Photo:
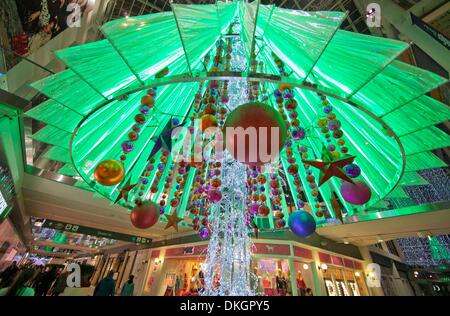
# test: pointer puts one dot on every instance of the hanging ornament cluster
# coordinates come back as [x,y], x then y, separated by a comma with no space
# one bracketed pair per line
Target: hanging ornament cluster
[147,103]
[355,192]
[287,105]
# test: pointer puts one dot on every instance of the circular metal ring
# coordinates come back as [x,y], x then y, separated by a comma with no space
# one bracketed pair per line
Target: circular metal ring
[229,75]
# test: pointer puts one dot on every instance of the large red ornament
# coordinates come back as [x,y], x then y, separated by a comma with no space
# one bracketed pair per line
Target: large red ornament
[145,215]
[248,133]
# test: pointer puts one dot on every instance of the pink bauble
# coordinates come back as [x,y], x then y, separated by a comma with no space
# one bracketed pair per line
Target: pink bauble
[357,194]
[214,196]
[145,215]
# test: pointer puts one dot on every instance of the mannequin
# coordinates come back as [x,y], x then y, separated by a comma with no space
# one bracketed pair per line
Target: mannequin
[301,285]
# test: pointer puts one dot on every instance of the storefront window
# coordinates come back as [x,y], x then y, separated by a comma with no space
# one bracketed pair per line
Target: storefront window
[303,279]
[182,277]
[344,282]
[274,277]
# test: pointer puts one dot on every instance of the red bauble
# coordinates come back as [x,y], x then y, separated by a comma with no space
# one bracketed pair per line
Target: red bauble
[248,133]
[264,210]
[145,215]
[358,193]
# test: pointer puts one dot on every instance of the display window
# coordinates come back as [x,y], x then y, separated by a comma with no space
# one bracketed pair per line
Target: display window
[344,282]
[182,277]
[303,279]
[330,287]
[273,276]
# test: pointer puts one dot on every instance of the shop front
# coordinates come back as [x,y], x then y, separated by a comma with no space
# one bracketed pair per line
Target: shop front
[281,268]
[342,276]
[176,271]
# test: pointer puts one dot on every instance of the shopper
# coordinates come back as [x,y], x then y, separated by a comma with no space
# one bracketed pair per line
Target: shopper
[128,287]
[106,287]
[20,286]
[46,281]
[309,292]
[60,283]
[8,275]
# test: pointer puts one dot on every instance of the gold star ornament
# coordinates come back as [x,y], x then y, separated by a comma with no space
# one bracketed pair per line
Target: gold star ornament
[173,221]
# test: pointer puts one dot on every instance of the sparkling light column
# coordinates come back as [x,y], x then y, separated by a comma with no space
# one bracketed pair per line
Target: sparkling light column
[227,265]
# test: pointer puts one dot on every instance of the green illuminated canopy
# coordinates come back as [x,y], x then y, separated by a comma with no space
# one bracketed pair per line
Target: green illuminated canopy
[365,83]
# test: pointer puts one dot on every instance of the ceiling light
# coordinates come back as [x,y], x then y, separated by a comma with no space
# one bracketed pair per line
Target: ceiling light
[305,266]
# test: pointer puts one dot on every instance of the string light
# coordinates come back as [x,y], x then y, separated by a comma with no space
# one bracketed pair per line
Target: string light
[227,266]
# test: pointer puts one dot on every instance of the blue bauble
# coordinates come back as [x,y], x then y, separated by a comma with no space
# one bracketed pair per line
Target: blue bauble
[302,223]
[352,170]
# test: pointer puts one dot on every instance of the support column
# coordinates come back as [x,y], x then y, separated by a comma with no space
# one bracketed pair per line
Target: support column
[401,19]
[292,277]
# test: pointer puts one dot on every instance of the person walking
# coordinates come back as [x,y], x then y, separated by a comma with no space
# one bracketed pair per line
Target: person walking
[60,283]
[106,287]
[128,287]
[8,275]
[20,286]
[46,281]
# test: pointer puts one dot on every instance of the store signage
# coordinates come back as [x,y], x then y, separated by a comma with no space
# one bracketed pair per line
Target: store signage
[438,36]
[188,250]
[73,228]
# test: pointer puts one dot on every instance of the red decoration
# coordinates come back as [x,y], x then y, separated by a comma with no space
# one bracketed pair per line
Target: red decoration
[124,191]
[331,167]
[258,117]
[145,215]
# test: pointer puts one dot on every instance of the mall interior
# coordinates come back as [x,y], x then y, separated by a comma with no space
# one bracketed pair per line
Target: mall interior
[112,117]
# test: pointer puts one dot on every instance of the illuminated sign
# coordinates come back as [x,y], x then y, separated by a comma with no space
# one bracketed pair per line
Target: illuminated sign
[73,228]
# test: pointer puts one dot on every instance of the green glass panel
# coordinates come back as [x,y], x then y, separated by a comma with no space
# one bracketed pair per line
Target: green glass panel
[100,137]
[100,65]
[55,114]
[412,178]
[397,85]
[147,43]
[53,136]
[248,15]
[299,37]
[200,27]
[425,140]
[264,17]
[418,114]
[376,153]
[57,153]
[70,90]
[226,11]
[360,57]
[68,170]
[424,160]
[398,193]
